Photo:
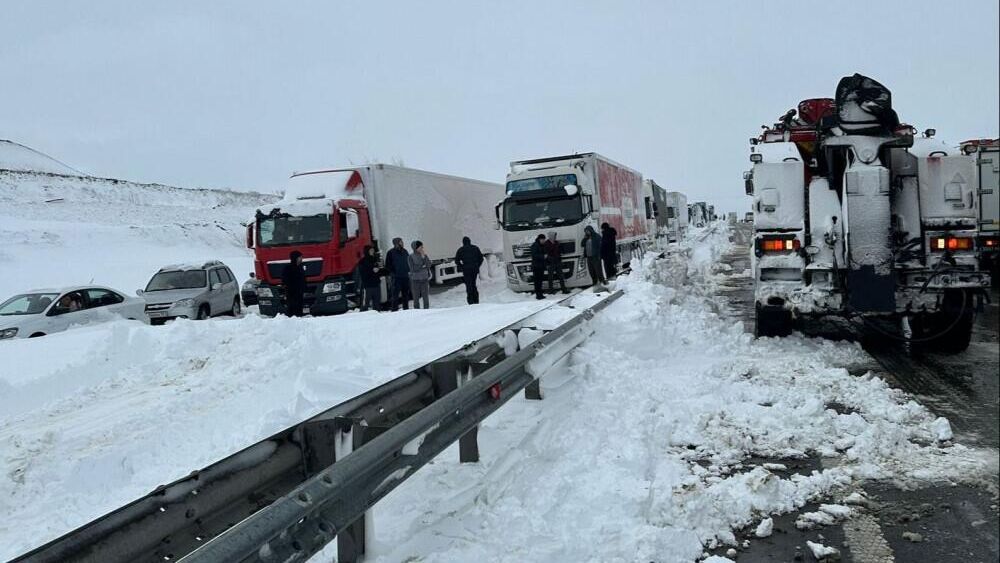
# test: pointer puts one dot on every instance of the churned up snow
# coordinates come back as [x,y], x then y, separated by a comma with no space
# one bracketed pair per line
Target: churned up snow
[643,443]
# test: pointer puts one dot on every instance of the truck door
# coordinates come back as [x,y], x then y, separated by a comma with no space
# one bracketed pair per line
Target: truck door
[350,237]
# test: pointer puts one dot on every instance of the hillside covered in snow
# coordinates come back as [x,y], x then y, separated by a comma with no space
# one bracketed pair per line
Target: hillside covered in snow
[59,227]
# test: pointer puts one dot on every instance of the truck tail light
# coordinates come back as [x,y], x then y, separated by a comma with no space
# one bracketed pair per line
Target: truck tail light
[779,244]
[991,243]
[940,244]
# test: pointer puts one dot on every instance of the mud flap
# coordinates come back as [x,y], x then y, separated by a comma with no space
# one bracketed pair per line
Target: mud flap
[871,292]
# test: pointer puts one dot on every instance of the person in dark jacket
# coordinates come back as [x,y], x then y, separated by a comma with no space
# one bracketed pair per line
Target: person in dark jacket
[609,250]
[469,259]
[398,264]
[538,260]
[370,274]
[553,263]
[591,245]
[294,279]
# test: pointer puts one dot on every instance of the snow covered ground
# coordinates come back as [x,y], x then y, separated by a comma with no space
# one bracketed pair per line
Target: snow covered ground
[641,449]
[93,418]
[67,230]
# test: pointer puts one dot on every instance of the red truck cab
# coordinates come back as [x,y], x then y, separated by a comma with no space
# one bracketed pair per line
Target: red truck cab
[329,231]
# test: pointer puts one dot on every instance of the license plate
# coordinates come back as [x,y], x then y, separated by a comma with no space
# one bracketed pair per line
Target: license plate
[153,314]
[305,310]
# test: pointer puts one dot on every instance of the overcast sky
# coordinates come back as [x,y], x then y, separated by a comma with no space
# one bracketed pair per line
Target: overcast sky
[241,94]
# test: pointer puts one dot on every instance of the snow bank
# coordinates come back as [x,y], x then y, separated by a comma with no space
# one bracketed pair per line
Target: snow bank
[62,230]
[93,418]
[643,442]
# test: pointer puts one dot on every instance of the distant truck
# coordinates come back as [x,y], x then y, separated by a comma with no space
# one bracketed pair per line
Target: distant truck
[987,153]
[698,213]
[564,195]
[677,216]
[748,217]
[331,215]
[731,218]
[655,198]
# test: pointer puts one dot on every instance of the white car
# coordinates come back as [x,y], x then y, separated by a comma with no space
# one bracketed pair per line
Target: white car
[45,311]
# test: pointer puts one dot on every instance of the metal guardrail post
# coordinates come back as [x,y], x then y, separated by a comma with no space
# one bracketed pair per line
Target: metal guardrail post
[351,542]
[468,444]
[533,392]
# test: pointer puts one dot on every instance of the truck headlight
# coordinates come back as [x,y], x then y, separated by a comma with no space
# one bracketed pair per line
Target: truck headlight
[8,333]
[264,292]
[332,287]
[581,264]
[184,303]
[511,273]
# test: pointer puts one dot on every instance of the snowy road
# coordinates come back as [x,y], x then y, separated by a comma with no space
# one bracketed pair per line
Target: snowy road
[670,432]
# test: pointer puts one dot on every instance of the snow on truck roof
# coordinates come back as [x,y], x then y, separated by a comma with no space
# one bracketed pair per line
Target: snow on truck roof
[312,193]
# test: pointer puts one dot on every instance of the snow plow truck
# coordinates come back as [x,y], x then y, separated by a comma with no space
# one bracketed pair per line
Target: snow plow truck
[330,216]
[856,215]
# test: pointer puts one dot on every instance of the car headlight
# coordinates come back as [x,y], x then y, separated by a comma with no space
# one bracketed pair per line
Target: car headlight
[264,292]
[332,287]
[184,303]
[8,333]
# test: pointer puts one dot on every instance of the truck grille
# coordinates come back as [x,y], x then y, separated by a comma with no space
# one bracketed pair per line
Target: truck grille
[524,250]
[312,268]
[524,272]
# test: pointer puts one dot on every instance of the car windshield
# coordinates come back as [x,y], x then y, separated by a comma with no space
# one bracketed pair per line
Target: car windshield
[531,214]
[183,279]
[283,230]
[543,183]
[27,304]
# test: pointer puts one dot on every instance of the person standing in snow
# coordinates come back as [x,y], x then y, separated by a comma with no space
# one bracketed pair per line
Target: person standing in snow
[420,275]
[591,245]
[538,260]
[294,279]
[609,250]
[469,259]
[369,273]
[398,264]
[553,263]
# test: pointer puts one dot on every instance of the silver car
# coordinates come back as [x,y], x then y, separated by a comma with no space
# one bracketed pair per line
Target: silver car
[192,291]
[44,311]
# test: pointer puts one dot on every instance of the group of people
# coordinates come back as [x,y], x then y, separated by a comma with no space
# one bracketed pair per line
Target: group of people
[598,249]
[408,276]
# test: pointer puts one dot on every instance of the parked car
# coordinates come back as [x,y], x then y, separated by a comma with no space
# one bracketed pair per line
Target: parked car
[249,290]
[44,311]
[191,291]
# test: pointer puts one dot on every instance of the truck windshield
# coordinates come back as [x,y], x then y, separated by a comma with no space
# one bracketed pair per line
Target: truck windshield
[286,230]
[179,279]
[532,214]
[543,183]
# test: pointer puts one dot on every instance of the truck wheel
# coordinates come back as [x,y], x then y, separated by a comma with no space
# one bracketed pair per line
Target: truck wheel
[203,313]
[772,322]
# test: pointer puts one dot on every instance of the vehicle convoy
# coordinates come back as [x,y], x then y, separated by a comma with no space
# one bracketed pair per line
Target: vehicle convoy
[45,311]
[191,291]
[987,153]
[677,216]
[564,195]
[330,216]
[655,198]
[854,216]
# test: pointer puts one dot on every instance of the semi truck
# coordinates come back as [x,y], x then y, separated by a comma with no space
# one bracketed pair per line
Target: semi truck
[562,195]
[655,198]
[330,216]
[857,216]
[987,153]
[677,216]
[698,214]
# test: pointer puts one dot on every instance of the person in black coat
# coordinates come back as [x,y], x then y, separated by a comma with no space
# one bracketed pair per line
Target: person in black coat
[370,274]
[397,261]
[553,256]
[294,279]
[609,250]
[538,259]
[469,259]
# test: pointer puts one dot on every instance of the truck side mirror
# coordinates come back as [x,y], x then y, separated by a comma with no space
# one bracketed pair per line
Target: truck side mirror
[249,239]
[748,185]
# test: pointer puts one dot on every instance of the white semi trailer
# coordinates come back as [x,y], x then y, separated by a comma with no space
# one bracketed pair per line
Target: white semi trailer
[855,217]
[677,216]
[563,195]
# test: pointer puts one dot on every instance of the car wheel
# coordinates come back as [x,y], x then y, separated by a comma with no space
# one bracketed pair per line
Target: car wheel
[236,307]
[203,313]
[37,334]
